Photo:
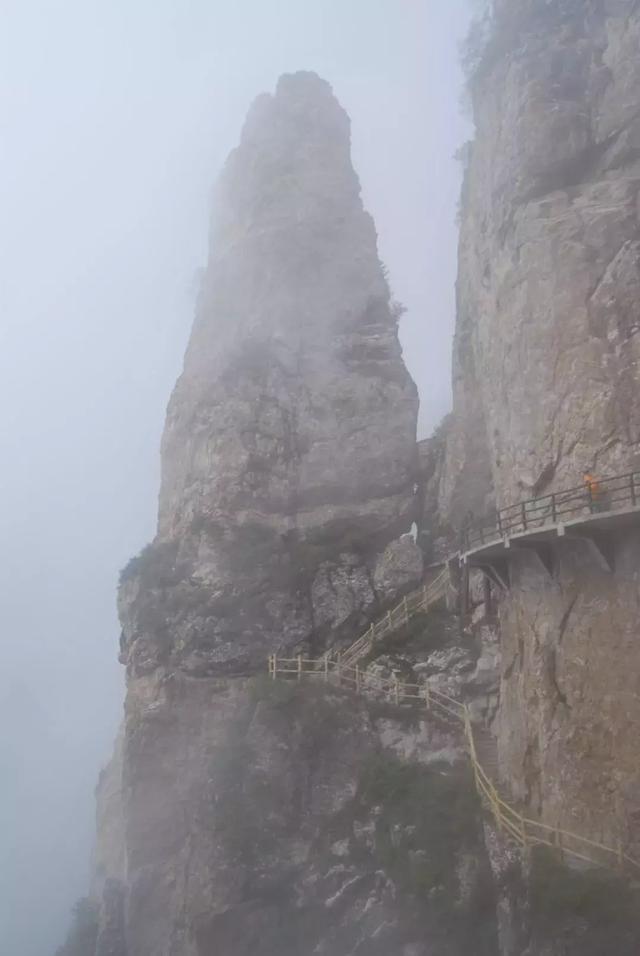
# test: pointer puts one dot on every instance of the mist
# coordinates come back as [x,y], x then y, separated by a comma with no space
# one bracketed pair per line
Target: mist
[115,119]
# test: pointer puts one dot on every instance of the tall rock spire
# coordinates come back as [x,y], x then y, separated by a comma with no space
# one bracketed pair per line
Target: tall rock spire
[287,482]
[288,453]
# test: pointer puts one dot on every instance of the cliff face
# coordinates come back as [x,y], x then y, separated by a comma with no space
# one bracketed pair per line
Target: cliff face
[546,372]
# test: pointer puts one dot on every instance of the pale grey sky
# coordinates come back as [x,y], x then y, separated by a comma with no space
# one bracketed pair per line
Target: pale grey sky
[115,118]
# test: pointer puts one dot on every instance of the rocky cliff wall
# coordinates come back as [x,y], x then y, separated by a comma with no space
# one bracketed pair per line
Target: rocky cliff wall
[546,372]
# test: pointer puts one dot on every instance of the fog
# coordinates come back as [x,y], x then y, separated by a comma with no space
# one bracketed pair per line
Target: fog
[115,118]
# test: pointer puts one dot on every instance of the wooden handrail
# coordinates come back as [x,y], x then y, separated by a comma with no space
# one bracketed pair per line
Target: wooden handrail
[525,831]
[421,600]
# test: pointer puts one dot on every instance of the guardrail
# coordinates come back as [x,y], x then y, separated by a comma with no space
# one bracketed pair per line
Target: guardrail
[612,493]
[525,831]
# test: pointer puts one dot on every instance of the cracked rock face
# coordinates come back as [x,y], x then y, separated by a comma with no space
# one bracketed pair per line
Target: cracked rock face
[546,377]
[288,457]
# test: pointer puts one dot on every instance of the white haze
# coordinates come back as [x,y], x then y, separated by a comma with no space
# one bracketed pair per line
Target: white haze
[115,118]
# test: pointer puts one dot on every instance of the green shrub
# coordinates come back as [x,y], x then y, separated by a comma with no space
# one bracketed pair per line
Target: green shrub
[318,711]
[426,628]
[426,816]
[279,693]
[155,565]
[238,807]
[83,934]
[596,896]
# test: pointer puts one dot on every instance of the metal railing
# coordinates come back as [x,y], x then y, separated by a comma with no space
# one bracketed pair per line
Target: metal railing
[523,830]
[614,493]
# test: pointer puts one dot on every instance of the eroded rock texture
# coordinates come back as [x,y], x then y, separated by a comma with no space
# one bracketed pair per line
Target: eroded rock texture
[546,378]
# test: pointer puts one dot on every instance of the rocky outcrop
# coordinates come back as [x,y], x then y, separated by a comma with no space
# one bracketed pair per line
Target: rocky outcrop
[547,352]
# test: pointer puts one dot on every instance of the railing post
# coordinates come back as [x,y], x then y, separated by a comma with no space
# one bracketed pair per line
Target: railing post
[468,732]
[554,510]
[427,697]
[632,481]
[299,666]
[523,831]
[406,611]
[476,780]
[486,595]
[466,590]
[499,524]
[497,812]
[558,841]
[326,666]
[396,688]
[275,667]
[523,509]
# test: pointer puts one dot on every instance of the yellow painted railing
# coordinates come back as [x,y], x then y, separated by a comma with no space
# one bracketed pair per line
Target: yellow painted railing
[525,831]
[418,602]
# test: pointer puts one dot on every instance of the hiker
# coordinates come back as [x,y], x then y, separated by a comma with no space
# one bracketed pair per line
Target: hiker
[594,491]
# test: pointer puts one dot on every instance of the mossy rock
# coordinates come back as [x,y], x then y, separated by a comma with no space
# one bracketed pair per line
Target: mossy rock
[156,566]
[425,817]
[597,896]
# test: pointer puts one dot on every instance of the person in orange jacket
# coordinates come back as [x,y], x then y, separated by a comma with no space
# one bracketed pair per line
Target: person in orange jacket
[594,490]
